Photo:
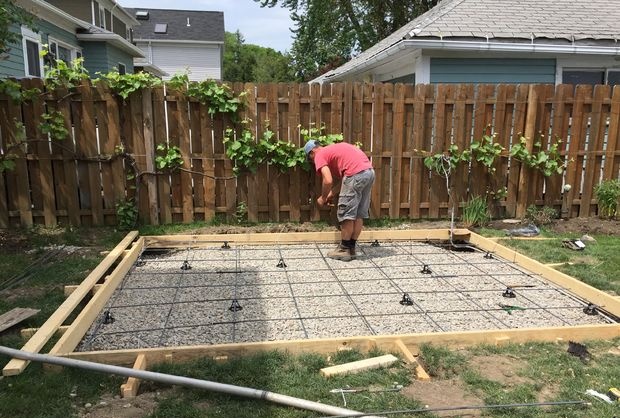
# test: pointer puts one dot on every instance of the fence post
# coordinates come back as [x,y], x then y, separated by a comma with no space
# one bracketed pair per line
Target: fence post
[149,145]
[526,172]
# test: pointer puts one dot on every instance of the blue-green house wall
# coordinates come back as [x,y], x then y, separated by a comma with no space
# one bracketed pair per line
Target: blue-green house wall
[102,57]
[492,70]
[13,65]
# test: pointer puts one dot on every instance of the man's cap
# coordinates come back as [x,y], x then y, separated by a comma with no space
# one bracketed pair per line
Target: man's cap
[310,145]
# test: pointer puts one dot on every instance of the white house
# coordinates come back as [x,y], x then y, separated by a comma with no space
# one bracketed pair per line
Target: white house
[175,41]
[497,41]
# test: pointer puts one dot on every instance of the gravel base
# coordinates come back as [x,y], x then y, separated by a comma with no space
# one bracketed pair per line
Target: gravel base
[161,304]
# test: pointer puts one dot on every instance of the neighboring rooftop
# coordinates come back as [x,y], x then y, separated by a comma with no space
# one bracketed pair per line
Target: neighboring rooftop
[537,21]
[186,25]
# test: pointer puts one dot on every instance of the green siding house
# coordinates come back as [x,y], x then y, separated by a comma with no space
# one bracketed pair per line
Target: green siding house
[102,40]
[497,41]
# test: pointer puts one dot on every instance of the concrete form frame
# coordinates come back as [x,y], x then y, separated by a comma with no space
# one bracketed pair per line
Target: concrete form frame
[106,277]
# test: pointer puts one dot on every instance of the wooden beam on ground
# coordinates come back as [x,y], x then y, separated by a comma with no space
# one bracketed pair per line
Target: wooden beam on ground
[569,283]
[359,366]
[71,338]
[70,288]
[183,241]
[330,345]
[49,328]
[130,389]
[522,238]
[566,263]
[29,332]
[420,373]
[15,316]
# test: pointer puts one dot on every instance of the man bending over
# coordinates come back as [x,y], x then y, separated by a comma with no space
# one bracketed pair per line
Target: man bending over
[345,162]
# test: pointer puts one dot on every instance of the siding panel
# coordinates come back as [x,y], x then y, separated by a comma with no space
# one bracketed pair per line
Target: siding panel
[492,70]
[203,61]
[115,56]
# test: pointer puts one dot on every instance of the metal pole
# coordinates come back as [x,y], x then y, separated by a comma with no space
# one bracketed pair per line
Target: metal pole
[182,381]
[458,408]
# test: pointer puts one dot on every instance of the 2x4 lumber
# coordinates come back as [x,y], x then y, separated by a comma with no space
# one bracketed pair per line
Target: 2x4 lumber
[29,332]
[15,316]
[300,237]
[420,373]
[571,284]
[360,365]
[49,328]
[329,345]
[130,389]
[80,325]
[69,289]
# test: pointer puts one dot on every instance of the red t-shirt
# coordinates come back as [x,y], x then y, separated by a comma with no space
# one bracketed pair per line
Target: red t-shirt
[343,159]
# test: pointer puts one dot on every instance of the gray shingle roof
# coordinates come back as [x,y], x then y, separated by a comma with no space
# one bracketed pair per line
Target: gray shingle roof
[204,25]
[506,20]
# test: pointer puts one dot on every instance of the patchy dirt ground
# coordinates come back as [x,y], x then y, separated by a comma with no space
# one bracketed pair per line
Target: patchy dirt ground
[444,394]
[577,226]
[502,369]
[110,406]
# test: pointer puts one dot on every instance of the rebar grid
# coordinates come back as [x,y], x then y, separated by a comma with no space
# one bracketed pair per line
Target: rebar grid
[222,276]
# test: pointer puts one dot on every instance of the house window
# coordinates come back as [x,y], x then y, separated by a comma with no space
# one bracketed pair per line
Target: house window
[122,69]
[613,78]
[63,52]
[161,28]
[583,76]
[33,62]
[102,17]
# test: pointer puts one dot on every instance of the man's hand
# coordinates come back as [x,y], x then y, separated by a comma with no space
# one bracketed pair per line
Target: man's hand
[325,202]
[321,202]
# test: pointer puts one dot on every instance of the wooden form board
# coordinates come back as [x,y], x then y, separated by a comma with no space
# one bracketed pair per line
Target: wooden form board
[394,343]
[49,328]
[171,241]
[571,284]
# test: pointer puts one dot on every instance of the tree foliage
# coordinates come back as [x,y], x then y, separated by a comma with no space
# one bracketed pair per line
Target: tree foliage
[329,32]
[253,63]
[11,14]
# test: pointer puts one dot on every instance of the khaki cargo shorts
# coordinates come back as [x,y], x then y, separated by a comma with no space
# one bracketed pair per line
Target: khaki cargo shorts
[354,200]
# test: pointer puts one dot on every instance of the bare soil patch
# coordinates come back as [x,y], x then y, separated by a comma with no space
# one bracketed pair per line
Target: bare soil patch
[501,369]
[444,394]
[577,226]
[113,406]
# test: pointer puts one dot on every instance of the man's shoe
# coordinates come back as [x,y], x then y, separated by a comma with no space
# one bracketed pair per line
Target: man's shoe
[341,253]
[352,252]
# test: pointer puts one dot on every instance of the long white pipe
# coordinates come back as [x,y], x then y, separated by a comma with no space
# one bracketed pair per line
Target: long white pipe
[181,381]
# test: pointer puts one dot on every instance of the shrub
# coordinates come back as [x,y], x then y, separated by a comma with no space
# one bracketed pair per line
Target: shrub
[608,195]
[475,212]
[540,216]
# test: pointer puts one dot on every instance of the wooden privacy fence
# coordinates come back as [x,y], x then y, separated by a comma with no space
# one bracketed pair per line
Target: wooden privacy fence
[79,180]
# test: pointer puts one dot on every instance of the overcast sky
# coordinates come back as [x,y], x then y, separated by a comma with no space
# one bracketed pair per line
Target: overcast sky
[265,26]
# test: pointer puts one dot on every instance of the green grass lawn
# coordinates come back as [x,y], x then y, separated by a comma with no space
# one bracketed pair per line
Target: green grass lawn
[539,368]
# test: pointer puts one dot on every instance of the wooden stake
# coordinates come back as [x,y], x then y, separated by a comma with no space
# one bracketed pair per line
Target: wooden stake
[130,389]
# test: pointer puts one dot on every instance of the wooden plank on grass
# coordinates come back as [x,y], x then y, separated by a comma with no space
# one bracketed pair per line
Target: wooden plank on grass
[48,329]
[359,366]
[15,316]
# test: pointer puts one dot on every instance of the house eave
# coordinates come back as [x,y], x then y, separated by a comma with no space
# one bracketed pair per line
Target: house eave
[477,46]
[114,39]
[52,14]
[152,68]
[178,41]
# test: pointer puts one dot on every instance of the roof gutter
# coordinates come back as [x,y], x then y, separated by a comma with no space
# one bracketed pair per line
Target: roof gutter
[113,39]
[469,46]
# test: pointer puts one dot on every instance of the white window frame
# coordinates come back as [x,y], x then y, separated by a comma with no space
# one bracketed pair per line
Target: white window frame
[29,35]
[74,49]
[102,22]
